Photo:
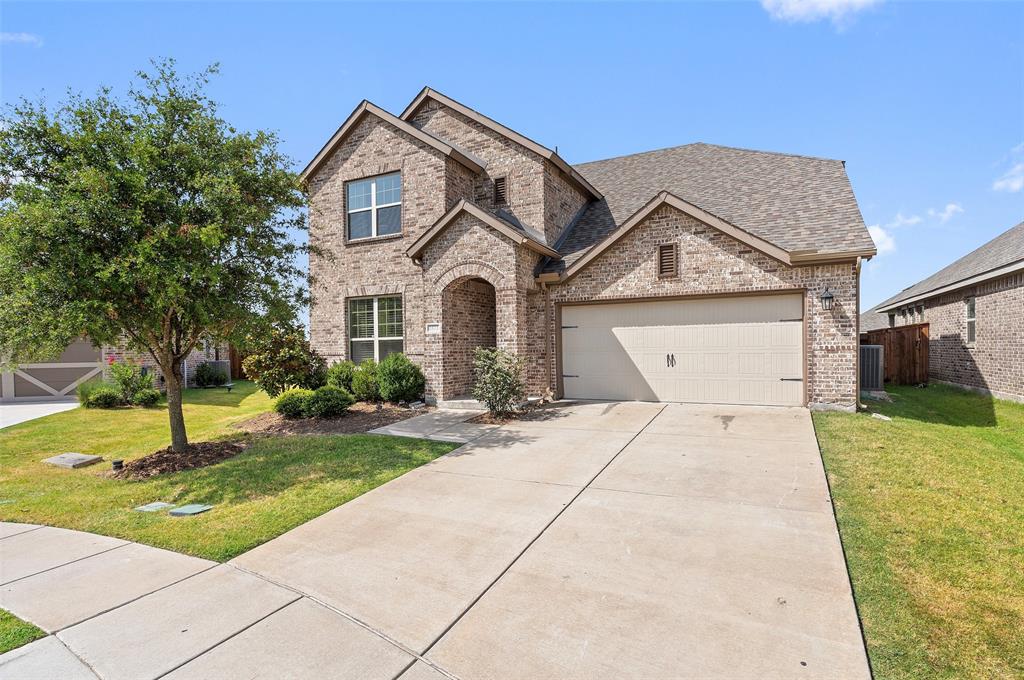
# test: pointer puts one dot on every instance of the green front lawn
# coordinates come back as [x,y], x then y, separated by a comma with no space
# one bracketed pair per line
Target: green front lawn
[931,513]
[275,485]
[14,632]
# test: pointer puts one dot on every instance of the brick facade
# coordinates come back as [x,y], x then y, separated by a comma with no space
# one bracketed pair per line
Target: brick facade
[995,363]
[449,290]
[200,354]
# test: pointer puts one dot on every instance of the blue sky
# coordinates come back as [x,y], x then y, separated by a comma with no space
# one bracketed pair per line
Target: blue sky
[924,101]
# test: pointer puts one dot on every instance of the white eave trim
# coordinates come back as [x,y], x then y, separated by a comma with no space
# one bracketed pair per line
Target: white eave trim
[971,281]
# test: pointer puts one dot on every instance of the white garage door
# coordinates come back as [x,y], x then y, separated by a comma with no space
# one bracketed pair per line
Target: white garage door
[739,350]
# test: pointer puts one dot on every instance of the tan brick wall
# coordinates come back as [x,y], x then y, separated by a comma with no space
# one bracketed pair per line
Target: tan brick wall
[469,322]
[203,353]
[996,361]
[379,266]
[710,263]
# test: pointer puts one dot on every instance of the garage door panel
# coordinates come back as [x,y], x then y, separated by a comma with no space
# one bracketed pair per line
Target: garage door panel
[729,350]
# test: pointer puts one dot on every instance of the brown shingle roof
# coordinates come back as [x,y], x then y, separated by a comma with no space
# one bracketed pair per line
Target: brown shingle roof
[873,320]
[1005,249]
[798,203]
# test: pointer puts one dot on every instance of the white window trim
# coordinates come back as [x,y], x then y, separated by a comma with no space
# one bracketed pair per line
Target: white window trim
[373,208]
[968,302]
[376,328]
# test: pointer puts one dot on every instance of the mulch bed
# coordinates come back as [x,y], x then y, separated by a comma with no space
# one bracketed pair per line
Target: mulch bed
[165,461]
[361,417]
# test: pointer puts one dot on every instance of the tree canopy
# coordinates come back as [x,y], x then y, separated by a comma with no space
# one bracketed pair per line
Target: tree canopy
[145,220]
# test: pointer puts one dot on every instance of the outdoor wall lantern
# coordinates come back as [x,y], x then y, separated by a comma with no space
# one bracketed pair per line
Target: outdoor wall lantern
[826,300]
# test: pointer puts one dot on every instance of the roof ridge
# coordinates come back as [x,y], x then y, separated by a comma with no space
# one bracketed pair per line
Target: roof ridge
[717,146]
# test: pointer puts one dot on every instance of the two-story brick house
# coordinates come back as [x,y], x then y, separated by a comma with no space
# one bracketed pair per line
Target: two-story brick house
[699,273]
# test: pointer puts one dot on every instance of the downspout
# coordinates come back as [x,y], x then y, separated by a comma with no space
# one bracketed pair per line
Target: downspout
[549,336]
[856,329]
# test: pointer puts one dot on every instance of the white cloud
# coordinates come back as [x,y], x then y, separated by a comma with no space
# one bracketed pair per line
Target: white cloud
[21,39]
[1012,180]
[884,241]
[903,221]
[947,213]
[805,11]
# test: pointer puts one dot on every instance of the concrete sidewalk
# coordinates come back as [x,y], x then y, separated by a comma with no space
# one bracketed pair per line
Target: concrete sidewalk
[591,540]
[12,414]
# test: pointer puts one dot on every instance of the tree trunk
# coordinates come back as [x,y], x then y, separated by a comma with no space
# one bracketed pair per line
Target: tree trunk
[173,379]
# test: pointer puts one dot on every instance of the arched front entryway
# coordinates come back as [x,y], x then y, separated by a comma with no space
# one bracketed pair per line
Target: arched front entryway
[468,320]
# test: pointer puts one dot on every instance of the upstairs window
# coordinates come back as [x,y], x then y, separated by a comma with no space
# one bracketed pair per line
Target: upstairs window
[972,330]
[668,260]
[892,320]
[375,327]
[374,206]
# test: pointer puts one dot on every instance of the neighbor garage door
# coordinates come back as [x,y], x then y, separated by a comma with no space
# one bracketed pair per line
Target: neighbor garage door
[733,350]
[54,380]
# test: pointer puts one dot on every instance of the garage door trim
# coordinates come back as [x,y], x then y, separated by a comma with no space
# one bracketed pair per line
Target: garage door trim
[559,383]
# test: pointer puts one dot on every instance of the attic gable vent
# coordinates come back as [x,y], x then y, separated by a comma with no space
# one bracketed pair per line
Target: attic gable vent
[500,191]
[668,260]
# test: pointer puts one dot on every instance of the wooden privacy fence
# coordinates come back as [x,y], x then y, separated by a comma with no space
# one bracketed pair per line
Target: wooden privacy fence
[905,352]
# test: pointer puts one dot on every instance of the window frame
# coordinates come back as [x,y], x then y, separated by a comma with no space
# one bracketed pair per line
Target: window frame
[376,338]
[971,317]
[373,208]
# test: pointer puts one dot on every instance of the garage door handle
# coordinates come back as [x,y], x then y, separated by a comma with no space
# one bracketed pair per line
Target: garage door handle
[670,360]
[791,379]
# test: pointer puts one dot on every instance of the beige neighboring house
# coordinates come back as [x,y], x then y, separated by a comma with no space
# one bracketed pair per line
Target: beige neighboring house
[975,312]
[57,380]
[699,273]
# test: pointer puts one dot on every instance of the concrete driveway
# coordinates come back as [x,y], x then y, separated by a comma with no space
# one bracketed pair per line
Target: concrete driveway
[597,540]
[12,414]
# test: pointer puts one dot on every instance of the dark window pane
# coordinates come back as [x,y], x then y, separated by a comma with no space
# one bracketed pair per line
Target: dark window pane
[389,220]
[390,347]
[359,225]
[361,351]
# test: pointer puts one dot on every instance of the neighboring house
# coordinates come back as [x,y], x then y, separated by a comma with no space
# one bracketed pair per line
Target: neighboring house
[975,312]
[697,273]
[57,379]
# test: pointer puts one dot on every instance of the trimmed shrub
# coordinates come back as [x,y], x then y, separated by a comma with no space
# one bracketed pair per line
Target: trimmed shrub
[130,379]
[208,375]
[328,402]
[340,375]
[399,379]
[104,396]
[147,398]
[293,403]
[499,380]
[85,390]
[364,382]
[281,359]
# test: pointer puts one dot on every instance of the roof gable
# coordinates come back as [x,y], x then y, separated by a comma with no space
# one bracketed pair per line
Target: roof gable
[514,233]
[1002,255]
[666,198]
[542,151]
[366,108]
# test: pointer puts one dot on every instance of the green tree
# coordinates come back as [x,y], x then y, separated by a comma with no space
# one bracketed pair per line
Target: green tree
[144,219]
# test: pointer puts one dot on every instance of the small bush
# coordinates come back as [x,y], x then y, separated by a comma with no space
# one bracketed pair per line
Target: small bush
[85,390]
[130,379]
[340,375]
[147,398]
[328,402]
[104,396]
[208,375]
[399,379]
[293,403]
[499,380]
[364,382]
[281,359]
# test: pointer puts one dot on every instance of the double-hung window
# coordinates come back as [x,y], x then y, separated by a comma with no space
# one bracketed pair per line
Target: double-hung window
[374,206]
[972,330]
[375,327]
